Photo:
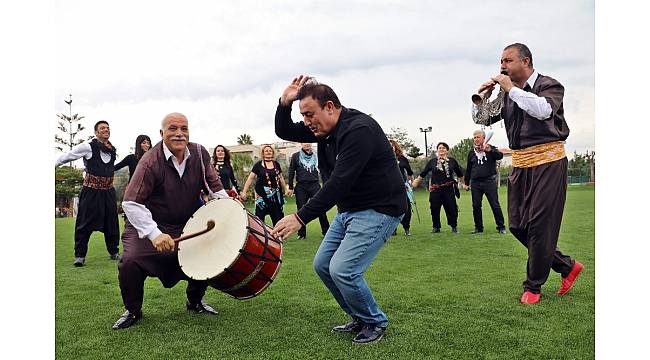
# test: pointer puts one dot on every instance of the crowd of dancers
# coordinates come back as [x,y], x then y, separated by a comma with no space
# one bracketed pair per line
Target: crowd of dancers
[363,173]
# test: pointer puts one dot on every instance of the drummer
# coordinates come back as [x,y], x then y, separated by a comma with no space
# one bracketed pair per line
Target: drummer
[162,195]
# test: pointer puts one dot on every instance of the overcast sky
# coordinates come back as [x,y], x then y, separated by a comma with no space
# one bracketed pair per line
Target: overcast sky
[224,64]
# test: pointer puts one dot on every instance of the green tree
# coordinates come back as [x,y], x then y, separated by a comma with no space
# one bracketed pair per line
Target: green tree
[67,184]
[244,139]
[414,152]
[242,164]
[460,151]
[582,164]
[401,136]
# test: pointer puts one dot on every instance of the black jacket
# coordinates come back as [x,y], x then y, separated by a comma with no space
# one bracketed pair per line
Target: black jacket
[357,160]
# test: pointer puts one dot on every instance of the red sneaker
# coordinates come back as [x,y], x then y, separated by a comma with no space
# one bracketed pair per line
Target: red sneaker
[529,298]
[567,282]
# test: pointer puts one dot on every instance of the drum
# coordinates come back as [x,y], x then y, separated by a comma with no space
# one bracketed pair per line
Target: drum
[238,256]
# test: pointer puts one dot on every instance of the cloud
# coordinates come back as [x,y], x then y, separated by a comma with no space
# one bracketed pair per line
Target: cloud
[225,64]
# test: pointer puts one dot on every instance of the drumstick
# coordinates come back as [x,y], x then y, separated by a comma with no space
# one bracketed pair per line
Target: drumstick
[210,226]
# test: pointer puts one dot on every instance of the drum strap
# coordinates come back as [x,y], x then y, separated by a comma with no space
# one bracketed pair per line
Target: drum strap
[205,182]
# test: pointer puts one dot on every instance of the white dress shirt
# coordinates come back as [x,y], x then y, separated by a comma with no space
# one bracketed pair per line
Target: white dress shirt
[82,150]
[535,106]
[138,214]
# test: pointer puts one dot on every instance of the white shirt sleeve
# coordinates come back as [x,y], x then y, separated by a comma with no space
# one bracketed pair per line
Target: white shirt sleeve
[532,104]
[221,194]
[77,152]
[140,217]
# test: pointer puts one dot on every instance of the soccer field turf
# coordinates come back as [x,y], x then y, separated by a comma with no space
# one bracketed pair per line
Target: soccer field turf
[446,296]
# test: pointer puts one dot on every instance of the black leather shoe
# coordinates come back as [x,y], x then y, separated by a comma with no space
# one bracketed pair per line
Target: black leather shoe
[353,326]
[201,308]
[407,232]
[115,256]
[435,230]
[80,261]
[477,231]
[369,333]
[127,319]
[502,231]
[454,230]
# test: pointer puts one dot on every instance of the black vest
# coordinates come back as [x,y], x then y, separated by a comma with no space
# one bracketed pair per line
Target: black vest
[95,165]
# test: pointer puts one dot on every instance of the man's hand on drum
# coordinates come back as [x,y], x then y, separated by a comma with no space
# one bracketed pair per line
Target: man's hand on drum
[286,226]
[163,242]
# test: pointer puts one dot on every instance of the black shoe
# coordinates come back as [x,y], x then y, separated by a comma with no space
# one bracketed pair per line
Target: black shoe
[435,230]
[395,232]
[353,326]
[454,230]
[300,237]
[369,333]
[477,231]
[127,319]
[79,261]
[407,232]
[201,308]
[115,256]
[502,231]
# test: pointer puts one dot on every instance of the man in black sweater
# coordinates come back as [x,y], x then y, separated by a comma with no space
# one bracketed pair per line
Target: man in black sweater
[304,167]
[482,172]
[365,184]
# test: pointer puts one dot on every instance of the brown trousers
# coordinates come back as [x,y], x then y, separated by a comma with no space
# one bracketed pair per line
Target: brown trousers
[536,198]
[140,260]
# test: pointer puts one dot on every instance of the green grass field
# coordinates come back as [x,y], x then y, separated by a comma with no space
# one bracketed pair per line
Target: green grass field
[447,297]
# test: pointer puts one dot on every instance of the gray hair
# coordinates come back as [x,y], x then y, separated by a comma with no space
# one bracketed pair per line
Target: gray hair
[170,116]
[479,131]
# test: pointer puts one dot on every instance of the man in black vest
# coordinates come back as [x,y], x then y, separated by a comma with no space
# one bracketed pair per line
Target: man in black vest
[304,167]
[482,172]
[97,202]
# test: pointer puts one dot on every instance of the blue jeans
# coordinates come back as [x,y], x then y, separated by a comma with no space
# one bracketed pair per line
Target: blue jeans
[349,247]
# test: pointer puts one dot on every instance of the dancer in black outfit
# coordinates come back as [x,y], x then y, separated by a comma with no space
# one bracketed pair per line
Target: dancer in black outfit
[142,145]
[441,187]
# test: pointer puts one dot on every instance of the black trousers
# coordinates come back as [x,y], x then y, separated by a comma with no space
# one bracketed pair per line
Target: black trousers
[141,260]
[97,212]
[304,192]
[271,208]
[488,188]
[406,220]
[443,197]
[536,198]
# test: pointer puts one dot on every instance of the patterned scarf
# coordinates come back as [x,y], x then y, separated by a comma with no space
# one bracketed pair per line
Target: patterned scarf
[443,165]
[308,161]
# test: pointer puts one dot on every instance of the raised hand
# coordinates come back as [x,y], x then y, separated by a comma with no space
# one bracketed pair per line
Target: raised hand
[291,92]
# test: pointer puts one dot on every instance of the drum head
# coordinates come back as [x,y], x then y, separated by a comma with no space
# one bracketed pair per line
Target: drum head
[207,255]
